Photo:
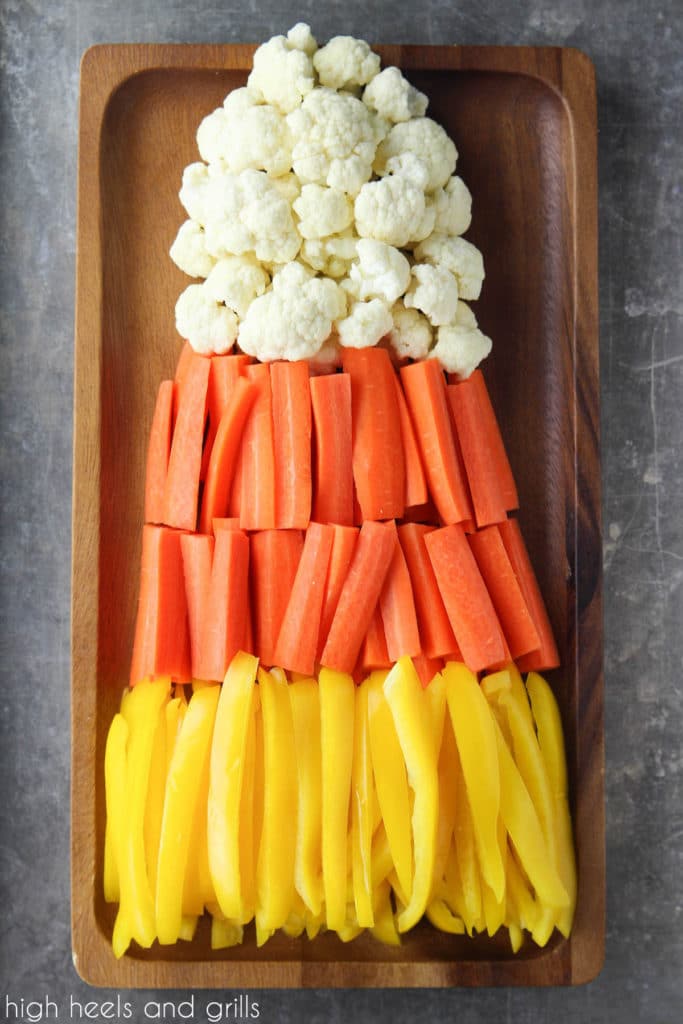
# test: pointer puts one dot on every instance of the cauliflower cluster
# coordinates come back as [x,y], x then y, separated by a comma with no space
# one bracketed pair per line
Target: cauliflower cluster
[325,212]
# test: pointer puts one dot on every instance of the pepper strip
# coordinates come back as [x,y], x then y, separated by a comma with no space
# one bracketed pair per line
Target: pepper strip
[115,798]
[247,829]
[337,701]
[384,928]
[362,812]
[304,697]
[447,772]
[154,808]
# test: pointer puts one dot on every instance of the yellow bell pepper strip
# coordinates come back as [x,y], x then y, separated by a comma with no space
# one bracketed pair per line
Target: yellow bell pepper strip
[350,930]
[521,903]
[248,851]
[314,922]
[305,700]
[391,780]
[384,928]
[198,887]
[226,776]
[382,862]
[275,866]
[551,741]
[435,696]
[493,909]
[225,933]
[295,924]
[476,741]
[154,808]
[337,710]
[465,850]
[516,935]
[450,890]
[115,799]
[415,729]
[188,927]
[182,790]
[447,771]
[174,713]
[361,812]
[442,918]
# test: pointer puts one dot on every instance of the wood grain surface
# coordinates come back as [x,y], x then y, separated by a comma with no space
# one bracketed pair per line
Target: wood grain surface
[524,122]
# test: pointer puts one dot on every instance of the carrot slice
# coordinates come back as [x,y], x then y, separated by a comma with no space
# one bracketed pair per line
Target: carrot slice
[494,442]
[374,653]
[257,498]
[158,453]
[505,591]
[225,523]
[424,386]
[161,646]
[469,607]
[297,642]
[185,359]
[332,443]
[275,558]
[182,481]
[436,633]
[225,372]
[226,622]
[292,442]
[197,552]
[397,606]
[370,563]
[547,656]
[224,451]
[343,542]
[416,493]
[378,461]
[485,489]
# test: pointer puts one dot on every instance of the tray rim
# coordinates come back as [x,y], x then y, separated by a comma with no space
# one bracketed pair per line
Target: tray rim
[570,74]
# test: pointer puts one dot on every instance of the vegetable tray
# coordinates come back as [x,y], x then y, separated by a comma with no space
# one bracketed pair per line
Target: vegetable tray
[524,122]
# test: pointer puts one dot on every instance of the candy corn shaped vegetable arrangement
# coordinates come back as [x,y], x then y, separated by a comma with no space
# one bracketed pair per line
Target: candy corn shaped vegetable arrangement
[336,717]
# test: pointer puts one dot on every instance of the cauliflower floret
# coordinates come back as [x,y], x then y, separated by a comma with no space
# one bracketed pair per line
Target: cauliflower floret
[434,291]
[411,336]
[288,185]
[322,211]
[410,166]
[365,325]
[194,192]
[256,137]
[382,271]
[209,327]
[281,74]
[335,140]
[427,140]
[239,101]
[459,256]
[391,210]
[453,208]
[460,349]
[300,37]
[393,97]
[236,281]
[188,251]
[213,139]
[328,357]
[345,63]
[249,214]
[294,318]
[464,315]
[331,256]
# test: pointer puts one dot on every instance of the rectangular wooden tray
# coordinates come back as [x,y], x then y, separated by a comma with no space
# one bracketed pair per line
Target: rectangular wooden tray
[524,121]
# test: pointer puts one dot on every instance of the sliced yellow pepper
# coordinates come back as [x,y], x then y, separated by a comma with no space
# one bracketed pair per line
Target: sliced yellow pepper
[493,909]
[188,927]
[247,828]
[174,713]
[115,798]
[305,700]
[435,696]
[154,808]
[337,710]
[448,771]
[225,933]
[442,918]
[362,812]
[198,890]
[384,928]
[465,852]
[521,902]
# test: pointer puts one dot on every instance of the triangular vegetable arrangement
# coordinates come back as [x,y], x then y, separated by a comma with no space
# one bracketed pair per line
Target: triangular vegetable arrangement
[325,725]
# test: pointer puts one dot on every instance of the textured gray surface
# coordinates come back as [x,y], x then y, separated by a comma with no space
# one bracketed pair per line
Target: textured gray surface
[636,46]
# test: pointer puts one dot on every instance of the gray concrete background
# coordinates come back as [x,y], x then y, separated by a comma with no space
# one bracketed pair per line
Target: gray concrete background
[637,49]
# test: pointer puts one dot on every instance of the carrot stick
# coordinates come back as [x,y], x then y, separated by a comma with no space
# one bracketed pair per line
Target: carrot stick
[158,453]
[494,442]
[248,641]
[182,481]
[297,642]
[416,493]
[332,443]
[225,523]
[427,668]
[436,633]
[360,593]
[425,389]
[547,655]
[197,552]
[374,653]
[292,442]
[162,641]
[469,607]
[505,591]
[378,460]
[485,488]
[397,607]
[275,558]
[343,542]
[185,359]
[225,372]
[257,498]
[224,453]
[226,622]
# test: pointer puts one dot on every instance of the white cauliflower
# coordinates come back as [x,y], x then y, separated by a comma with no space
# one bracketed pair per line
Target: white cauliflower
[427,140]
[346,63]
[365,325]
[409,166]
[434,291]
[208,326]
[381,272]
[288,185]
[411,335]
[460,345]
[300,37]
[189,252]
[328,357]
[331,256]
[459,256]
[322,211]
[453,208]
[294,318]
[239,101]
[391,210]
[256,136]
[282,74]
[249,214]
[236,281]
[194,192]
[393,97]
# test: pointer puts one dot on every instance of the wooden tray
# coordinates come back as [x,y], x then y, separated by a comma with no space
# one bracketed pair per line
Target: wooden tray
[524,121]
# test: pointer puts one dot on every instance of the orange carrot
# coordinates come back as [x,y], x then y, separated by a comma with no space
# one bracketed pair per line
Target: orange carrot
[370,563]
[162,641]
[343,543]
[197,552]
[297,642]
[494,442]
[332,472]
[225,626]
[182,481]
[397,606]
[224,451]
[436,633]
[257,498]
[427,668]
[547,656]
[469,607]
[485,488]
[424,386]
[248,641]
[292,442]
[225,372]
[158,452]
[378,461]
[185,359]
[416,493]
[275,558]
[374,653]
[225,523]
